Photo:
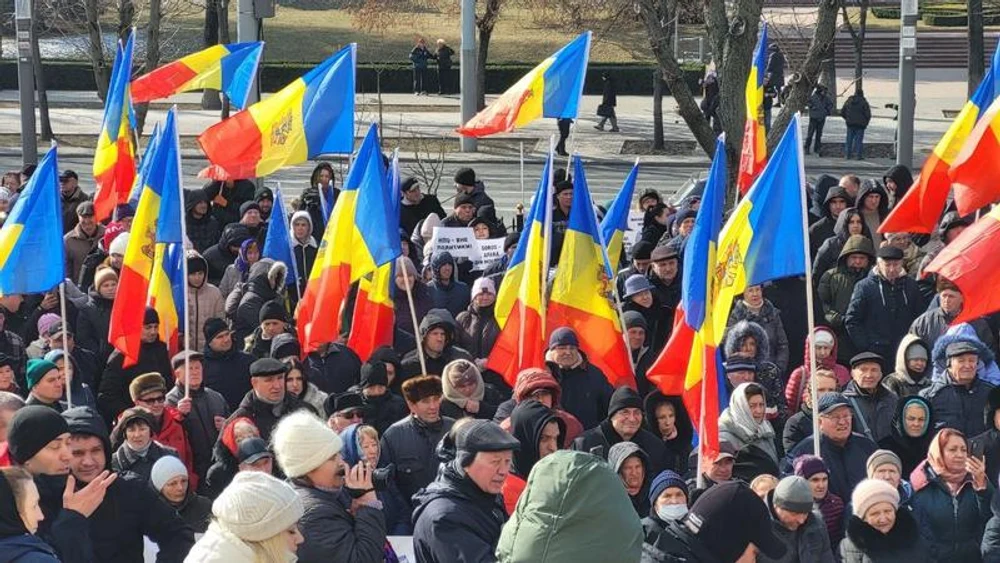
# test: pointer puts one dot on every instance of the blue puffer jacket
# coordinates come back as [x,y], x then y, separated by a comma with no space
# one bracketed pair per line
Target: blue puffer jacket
[955,406]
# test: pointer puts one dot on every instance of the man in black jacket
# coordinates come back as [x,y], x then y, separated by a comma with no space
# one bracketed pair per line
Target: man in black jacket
[267,401]
[113,396]
[624,424]
[203,229]
[416,206]
[437,331]
[226,369]
[410,443]
[221,255]
[130,509]
[208,409]
[383,407]
[586,391]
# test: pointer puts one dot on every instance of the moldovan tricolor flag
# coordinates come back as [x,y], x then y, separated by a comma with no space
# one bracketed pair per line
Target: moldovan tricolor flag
[374,314]
[689,364]
[754,153]
[972,262]
[581,288]
[114,158]
[230,68]
[551,89]
[615,222]
[32,259]
[360,236]
[518,309]
[168,284]
[920,209]
[310,117]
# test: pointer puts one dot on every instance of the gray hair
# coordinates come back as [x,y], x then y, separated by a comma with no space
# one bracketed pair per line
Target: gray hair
[10,401]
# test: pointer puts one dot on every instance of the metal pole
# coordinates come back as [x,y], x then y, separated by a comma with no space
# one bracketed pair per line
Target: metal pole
[522,171]
[547,236]
[67,357]
[467,69]
[907,81]
[248,29]
[26,81]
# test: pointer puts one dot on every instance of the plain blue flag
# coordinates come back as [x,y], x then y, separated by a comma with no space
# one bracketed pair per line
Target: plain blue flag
[278,244]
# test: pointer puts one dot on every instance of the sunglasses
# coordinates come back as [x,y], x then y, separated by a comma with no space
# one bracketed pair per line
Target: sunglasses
[352,415]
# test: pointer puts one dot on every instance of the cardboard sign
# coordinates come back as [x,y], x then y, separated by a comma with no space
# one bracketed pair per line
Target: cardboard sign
[633,232]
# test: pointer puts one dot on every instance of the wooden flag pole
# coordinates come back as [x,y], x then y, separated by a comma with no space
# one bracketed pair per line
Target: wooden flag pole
[413,314]
[67,358]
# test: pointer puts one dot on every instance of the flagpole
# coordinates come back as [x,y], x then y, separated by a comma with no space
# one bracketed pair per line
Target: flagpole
[413,316]
[547,237]
[322,204]
[810,317]
[184,267]
[569,141]
[522,172]
[701,422]
[68,359]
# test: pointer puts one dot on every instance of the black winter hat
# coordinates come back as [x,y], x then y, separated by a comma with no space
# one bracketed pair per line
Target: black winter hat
[272,311]
[634,319]
[563,336]
[624,398]
[196,263]
[563,186]
[266,367]
[374,374]
[890,253]
[511,240]
[343,402]
[150,317]
[642,250]
[213,327]
[247,206]
[285,345]
[408,184]
[31,429]
[465,177]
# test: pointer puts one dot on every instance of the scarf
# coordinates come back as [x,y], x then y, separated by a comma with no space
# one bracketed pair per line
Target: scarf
[133,455]
[453,375]
[935,458]
[242,264]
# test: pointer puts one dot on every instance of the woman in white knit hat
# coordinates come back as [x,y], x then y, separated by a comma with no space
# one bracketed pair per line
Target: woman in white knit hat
[256,521]
[879,529]
[342,519]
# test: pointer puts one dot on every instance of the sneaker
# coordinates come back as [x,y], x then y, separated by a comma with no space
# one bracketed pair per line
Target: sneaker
[615,130]
[598,127]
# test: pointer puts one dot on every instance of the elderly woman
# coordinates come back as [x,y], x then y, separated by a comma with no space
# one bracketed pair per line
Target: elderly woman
[169,479]
[744,425]
[465,392]
[256,521]
[952,497]
[879,530]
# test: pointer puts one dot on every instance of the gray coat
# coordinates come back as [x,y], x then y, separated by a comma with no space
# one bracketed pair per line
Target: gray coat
[810,543]
[332,533]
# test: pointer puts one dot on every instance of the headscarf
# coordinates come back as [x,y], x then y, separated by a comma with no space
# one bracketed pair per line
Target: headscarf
[461,369]
[242,264]
[935,457]
[739,411]
[10,519]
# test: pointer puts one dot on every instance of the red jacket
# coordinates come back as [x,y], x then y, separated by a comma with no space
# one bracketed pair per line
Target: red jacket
[797,380]
[513,486]
[172,434]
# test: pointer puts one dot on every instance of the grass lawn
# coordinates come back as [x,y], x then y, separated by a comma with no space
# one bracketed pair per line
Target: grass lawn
[892,24]
[311,35]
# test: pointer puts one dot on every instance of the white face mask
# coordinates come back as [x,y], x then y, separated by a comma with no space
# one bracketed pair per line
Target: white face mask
[671,511]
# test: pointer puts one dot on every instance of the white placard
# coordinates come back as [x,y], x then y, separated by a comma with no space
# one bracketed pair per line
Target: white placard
[490,252]
[459,241]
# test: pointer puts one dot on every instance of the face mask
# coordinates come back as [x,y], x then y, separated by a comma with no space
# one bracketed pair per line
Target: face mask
[671,511]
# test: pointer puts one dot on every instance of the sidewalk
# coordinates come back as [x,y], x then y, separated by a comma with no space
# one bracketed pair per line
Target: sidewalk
[76,119]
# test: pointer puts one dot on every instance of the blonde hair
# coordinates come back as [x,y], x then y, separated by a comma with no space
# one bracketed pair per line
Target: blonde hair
[19,479]
[272,550]
[365,431]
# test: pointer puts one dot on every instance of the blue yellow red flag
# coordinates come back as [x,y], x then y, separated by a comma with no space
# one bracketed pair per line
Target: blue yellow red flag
[229,68]
[278,242]
[31,248]
[518,307]
[581,290]
[114,158]
[754,153]
[615,221]
[312,116]
[551,89]
[762,238]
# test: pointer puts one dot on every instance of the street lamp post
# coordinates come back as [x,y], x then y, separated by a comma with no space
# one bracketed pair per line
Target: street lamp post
[26,81]
[467,68]
[907,79]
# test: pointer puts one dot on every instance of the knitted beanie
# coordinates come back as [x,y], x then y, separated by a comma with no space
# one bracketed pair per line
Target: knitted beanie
[31,429]
[880,458]
[165,469]
[256,506]
[37,369]
[301,442]
[870,492]
[794,494]
[808,465]
[46,321]
[119,245]
[104,274]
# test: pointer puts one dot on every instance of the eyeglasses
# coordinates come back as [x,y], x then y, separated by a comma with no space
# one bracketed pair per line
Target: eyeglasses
[353,415]
[154,400]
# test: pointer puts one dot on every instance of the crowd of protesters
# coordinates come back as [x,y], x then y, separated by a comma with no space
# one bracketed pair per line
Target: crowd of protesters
[245,449]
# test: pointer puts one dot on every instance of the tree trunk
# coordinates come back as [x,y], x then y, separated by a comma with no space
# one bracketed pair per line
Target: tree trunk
[40,90]
[126,18]
[95,49]
[658,143]
[804,79]
[210,35]
[482,54]
[152,55]
[224,22]
[976,47]
[859,48]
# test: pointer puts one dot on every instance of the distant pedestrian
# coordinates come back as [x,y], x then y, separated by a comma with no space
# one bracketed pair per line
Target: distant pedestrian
[820,107]
[609,99]
[857,114]
[710,103]
[419,57]
[445,74]
[564,127]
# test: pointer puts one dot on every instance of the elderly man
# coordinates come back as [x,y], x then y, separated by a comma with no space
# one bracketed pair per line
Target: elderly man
[625,424]
[267,401]
[411,442]
[845,453]
[458,517]
[631,464]
[874,404]
[958,399]
[586,391]
[933,323]
[883,305]
[81,239]
[794,522]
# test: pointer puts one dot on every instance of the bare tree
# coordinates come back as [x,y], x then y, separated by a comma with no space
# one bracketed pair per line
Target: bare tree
[977,49]
[485,23]
[40,90]
[210,35]
[858,39]
[102,74]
